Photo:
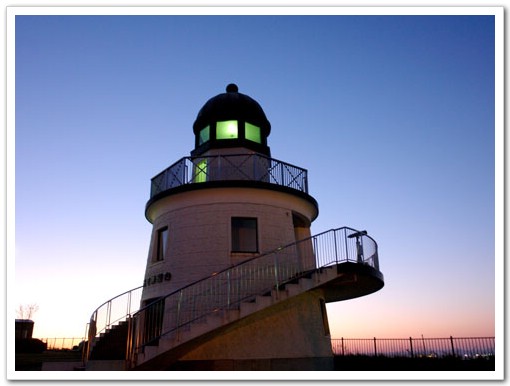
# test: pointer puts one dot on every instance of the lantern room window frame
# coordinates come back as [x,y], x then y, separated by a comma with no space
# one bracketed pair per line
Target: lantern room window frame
[230,130]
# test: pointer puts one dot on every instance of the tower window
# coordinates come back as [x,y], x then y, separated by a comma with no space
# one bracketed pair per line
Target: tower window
[252,132]
[162,243]
[204,135]
[244,234]
[226,130]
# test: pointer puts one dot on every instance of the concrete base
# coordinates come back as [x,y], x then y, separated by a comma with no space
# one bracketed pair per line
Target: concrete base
[105,365]
[279,364]
[288,334]
[61,366]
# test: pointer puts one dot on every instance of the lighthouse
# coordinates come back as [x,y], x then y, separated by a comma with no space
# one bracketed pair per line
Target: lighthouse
[225,203]
[234,279]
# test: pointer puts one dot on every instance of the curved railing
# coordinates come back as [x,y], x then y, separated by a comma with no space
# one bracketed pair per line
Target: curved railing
[238,167]
[228,288]
[110,313]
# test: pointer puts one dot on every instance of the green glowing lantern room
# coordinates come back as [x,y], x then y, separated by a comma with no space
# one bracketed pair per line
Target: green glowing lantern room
[231,120]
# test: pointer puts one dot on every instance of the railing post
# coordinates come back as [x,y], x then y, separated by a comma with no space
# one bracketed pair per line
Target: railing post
[343,348]
[129,343]
[128,310]
[346,246]
[228,290]
[411,346]
[375,346]
[84,348]
[108,314]
[336,248]
[453,348]
[179,300]
[315,251]
[220,171]
[276,273]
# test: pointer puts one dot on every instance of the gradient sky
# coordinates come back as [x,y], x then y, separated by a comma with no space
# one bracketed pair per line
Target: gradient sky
[393,116]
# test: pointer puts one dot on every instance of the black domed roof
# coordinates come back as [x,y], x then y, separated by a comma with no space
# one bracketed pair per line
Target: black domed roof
[232,105]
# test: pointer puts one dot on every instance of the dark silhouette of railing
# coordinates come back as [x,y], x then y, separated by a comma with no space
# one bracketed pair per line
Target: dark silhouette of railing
[113,311]
[235,167]
[57,343]
[464,348]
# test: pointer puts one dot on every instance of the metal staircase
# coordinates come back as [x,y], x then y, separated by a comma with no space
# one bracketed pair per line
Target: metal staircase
[345,265]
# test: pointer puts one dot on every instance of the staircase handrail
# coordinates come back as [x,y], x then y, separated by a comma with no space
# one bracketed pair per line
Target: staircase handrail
[95,327]
[276,250]
[372,260]
[283,271]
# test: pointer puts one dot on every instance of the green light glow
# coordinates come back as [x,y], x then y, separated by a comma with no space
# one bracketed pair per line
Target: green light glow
[252,132]
[204,135]
[201,171]
[226,130]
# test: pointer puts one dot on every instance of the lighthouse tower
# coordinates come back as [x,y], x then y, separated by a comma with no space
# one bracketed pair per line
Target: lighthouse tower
[234,279]
[232,202]
[227,202]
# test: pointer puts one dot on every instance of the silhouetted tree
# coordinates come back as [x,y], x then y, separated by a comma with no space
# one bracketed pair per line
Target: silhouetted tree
[26,311]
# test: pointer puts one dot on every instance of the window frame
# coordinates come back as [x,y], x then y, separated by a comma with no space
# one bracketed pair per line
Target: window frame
[225,130]
[204,135]
[237,244]
[249,130]
[161,244]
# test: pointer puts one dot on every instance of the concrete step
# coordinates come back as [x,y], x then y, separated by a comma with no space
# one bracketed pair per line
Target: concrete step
[149,352]
[263,301]
[292,289]
[247,308]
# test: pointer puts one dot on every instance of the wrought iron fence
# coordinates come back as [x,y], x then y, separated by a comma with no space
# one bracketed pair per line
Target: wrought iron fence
[464,348]
[63,343]
[238,167]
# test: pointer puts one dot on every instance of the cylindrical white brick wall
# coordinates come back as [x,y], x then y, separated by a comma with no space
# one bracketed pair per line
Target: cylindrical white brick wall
[199,231]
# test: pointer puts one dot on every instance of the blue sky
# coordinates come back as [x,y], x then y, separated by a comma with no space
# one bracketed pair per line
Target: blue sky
[393,116]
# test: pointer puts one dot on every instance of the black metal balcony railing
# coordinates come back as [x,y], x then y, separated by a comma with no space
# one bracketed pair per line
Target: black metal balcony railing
[236,167]
[465,348]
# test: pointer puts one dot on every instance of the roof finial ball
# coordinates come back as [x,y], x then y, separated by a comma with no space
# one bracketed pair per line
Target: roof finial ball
[232,88]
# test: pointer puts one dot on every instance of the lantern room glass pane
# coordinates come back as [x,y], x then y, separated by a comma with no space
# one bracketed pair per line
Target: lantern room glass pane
[201,171]
[226,130]
[204,135]
[252,132]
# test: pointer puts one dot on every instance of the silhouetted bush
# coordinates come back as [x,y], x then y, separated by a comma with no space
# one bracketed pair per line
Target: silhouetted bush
[33,346]
[382,363]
